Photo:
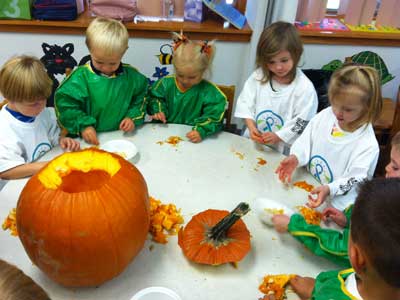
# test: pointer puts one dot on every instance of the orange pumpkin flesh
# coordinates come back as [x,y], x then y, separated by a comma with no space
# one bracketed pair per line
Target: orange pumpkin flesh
[84,217]
[216,237]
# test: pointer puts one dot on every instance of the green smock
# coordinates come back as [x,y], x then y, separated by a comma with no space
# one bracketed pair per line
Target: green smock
[202,106]
[331,286]
[327,243]
[86,98]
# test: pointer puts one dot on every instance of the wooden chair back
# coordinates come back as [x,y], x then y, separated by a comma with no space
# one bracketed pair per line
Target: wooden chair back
[229,91]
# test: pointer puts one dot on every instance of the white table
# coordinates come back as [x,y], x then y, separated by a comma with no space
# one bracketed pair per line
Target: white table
[195,177]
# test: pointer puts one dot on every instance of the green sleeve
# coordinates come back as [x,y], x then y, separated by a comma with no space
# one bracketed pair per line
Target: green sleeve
[331,285]
[347,212]
[212,115]
[156,98]
[70,101]
[327,243]
[137,107]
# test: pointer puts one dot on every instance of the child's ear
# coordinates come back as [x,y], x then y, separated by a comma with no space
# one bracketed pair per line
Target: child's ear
[357,258]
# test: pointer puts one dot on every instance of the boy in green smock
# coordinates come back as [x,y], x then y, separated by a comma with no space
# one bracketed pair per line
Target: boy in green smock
[187,98]
[104,94]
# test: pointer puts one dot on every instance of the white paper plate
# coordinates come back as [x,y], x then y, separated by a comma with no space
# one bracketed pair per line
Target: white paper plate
[156,293]
[125,148]
[264,208]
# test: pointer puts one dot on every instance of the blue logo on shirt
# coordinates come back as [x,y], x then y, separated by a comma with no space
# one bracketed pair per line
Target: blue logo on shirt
[268,121]
[320,169]
[40,150]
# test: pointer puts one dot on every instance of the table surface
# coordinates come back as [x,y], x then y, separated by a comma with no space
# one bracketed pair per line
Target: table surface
[195,177]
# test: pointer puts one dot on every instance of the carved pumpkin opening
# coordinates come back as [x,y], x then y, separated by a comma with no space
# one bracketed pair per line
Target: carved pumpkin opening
[78,181]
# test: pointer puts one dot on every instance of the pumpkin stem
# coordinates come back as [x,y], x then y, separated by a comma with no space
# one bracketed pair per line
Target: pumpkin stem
[218,232]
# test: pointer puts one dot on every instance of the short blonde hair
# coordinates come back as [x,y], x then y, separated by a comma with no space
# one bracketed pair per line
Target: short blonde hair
[15,285]
[24,78]
[192,53]
[358,79]
[107,35]
[279,36]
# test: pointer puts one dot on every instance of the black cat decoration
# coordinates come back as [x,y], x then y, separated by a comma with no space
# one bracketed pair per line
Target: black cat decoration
[57,60]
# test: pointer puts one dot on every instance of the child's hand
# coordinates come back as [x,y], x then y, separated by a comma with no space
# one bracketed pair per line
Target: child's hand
[322,192]
[69,144]
[335,215]
[194,136]
[270,138]
[127,125]
[255,135]
[303,286]
[286,168]
[281,223]
[89,135]
[160,117]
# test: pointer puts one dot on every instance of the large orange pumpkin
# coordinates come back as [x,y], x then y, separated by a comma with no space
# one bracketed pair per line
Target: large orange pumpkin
[84,217]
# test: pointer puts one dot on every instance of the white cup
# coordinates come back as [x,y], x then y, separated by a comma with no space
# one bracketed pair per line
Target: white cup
[156,293]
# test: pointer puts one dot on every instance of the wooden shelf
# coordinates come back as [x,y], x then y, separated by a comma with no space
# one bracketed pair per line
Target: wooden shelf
[208,30]
[350,38]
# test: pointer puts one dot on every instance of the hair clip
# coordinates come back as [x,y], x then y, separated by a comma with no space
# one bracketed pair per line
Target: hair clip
[178,40]
[206,48]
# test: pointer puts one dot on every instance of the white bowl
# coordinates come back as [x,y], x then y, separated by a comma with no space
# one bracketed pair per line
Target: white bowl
[265,208]
[156,293]
[124,148]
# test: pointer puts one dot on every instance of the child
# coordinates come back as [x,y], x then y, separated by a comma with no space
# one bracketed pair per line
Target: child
[28,128]
[15,285]
[187,98]
[374,245]
[278,100]
[104,94]
[339,145]
[328,243]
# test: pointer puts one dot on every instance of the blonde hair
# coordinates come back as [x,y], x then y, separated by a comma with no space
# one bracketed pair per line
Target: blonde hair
[24,78]
[359,80]
[15,285]
[107,35]
[279,36]
[197,54]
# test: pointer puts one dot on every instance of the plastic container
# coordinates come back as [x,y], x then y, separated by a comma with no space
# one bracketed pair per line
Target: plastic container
[156,293]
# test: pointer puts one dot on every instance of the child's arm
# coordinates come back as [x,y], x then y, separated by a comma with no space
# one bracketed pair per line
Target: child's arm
[213,111]
[24,170]
[156,101]
[137,107]
[304,107]
[328,243]
[70,100]
[246,102]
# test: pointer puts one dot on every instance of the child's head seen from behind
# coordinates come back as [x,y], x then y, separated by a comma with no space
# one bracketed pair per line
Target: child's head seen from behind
[375,231]
[25,84]
[355,96]
[191,60]
[15,285]
[278,52]
[107,41]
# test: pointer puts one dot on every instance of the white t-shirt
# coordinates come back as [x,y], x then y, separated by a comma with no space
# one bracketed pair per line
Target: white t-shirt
[337,158]
[285,111]
[22,142]
[351,286]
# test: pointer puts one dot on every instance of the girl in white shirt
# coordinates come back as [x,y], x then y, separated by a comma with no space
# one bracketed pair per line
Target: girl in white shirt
[277,100]
[339,146]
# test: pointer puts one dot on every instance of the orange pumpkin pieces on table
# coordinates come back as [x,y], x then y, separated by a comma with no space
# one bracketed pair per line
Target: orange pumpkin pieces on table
[165,219]
[84,217]
[304,185]
[311,216]
[215,237]
[275,285]
[10,223]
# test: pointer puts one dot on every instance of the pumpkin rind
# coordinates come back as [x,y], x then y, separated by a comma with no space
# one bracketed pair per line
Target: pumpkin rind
[85,238]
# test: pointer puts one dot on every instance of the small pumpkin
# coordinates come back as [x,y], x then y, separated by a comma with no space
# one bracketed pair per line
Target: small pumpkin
[215,237]
[84,217]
